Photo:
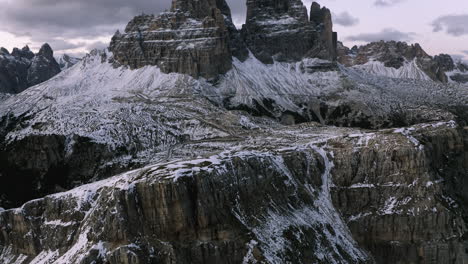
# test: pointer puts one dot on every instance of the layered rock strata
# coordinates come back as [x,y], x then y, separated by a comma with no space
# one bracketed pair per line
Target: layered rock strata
[401,199]
[200,39]
[192,39]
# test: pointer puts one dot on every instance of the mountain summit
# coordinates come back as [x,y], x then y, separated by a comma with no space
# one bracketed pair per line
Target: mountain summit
[199,38]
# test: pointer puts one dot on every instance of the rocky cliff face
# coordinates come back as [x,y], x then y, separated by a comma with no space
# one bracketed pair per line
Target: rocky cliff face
[200,39]
[400,60]
[192,39]
[282,31]
[22,68]
[401,202]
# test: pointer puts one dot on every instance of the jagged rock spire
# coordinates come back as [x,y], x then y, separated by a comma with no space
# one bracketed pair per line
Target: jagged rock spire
[46,51]
[321,17]
[281,30]
[4,51]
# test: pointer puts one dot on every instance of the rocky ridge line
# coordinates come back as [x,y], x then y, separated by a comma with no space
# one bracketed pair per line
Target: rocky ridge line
[22,68]
[403,61]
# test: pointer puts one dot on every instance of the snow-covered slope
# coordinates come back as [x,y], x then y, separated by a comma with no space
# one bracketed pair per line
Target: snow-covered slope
[147,109]
[409,70]
[65,61]
[114,106]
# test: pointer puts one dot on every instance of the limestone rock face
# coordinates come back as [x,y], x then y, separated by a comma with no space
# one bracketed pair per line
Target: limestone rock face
[322,19]
[240,208]
[199,38]
[398,202]
[281,30]
[22,68]
[342,197]
[191,39]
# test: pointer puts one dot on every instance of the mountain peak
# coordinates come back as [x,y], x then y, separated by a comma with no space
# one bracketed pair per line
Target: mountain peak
[275,30]
[46,51]
[25,69]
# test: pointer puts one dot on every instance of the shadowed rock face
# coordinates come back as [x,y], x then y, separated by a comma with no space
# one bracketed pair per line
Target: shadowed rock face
[22,68]
[43,66]
[281,30]
[322,19]
[191,39]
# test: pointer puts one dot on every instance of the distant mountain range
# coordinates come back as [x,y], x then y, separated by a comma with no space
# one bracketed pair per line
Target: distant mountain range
[65,61]
[400,60]
[22,69]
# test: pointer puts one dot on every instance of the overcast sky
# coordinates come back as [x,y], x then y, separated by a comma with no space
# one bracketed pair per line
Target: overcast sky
[77,26]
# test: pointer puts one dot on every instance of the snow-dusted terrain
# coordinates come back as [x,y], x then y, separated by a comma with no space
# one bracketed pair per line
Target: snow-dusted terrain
[180,131]
[410,70]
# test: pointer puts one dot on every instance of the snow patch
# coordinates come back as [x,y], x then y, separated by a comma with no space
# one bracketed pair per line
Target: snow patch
[409,70]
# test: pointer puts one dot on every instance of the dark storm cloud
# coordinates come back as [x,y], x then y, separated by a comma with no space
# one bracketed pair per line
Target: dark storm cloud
[455,25]
[55,20]
[386,34]
[345,19]
[387,3]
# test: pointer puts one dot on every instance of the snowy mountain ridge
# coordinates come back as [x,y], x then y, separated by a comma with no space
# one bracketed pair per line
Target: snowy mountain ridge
[400,60]
[65,61]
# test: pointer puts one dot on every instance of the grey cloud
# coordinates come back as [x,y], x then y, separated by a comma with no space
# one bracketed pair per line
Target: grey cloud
[96,45]
[62,45]
[238,9]
[387,3]
[386,34]
[345,19]
[455,25]
[465,51]
[51,20]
